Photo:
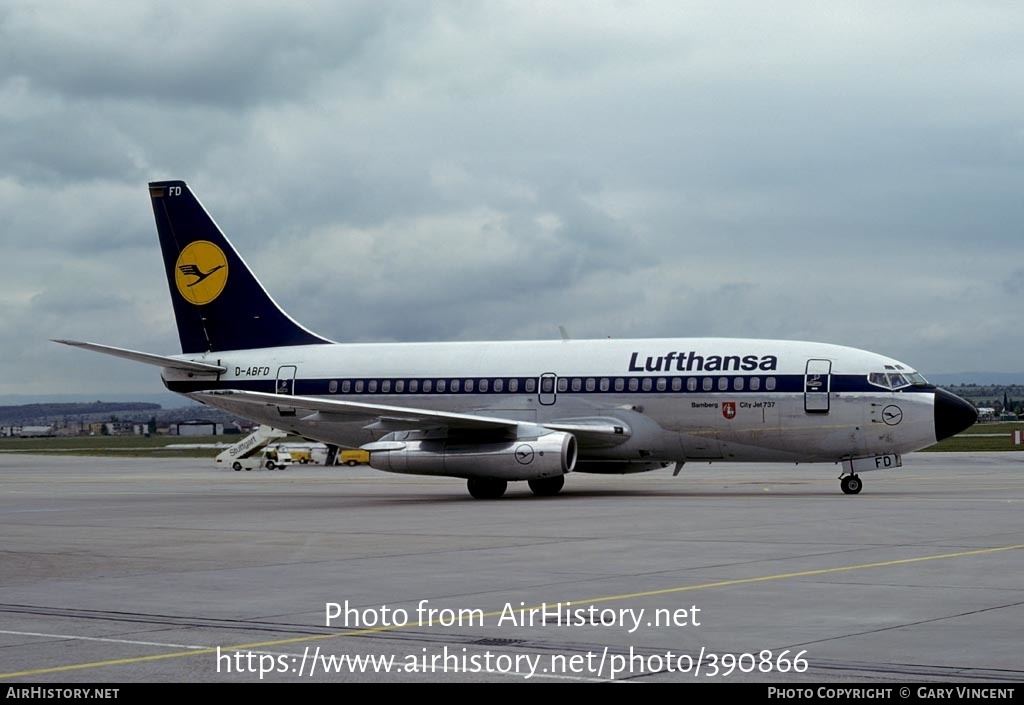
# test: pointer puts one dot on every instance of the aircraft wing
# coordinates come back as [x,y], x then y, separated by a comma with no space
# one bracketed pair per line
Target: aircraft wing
[407,417]
[589,431]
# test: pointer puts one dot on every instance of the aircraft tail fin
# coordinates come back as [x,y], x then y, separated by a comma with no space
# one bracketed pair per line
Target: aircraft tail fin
[218,302]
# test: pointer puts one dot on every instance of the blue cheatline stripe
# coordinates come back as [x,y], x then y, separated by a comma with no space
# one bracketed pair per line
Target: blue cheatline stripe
[498,386]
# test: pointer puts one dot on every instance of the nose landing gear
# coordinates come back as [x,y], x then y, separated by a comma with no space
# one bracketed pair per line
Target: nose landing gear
[851,483]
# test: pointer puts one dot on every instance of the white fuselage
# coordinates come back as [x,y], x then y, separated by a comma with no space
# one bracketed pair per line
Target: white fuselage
[684,399]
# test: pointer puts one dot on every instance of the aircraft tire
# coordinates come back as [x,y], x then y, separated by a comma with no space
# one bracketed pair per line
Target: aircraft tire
[851,484]
[486,487]
[547,486]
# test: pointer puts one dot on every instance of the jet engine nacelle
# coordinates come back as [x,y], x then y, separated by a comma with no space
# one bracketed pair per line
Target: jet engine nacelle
[522,459]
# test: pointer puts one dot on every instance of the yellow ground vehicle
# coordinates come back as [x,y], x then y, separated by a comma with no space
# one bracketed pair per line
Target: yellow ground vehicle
[354,457]
[301,455]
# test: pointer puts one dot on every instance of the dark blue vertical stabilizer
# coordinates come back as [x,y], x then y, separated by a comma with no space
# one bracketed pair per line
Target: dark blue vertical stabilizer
[218,302]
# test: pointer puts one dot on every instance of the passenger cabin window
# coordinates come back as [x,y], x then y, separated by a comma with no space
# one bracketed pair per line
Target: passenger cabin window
[513,385]
[563,384]
[591,384]
[454,386]
[691,384]
[483,385]
[499,385]
[400,386]
[647,384]
[359,386]
[333,386]
[440,386]
[371,386]
[428,385]
[708,384]
[769,384]
[577,384]
[604,384]
[620,384]
[414,385]
[634,384]
[723,384]
[737,384]
[469,385]
[346,386]
[677,384]
[755,383]
[661,384]
[385,386]
[531,385]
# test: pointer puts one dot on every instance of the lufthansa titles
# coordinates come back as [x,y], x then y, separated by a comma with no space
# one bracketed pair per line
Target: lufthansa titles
[692,362]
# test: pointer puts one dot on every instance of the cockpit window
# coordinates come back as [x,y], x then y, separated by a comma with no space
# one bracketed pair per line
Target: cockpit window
[896,380]
[879,378]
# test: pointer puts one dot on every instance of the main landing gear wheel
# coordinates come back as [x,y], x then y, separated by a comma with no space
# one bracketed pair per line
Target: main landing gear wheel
[486,488]
[547,486]
[851,484]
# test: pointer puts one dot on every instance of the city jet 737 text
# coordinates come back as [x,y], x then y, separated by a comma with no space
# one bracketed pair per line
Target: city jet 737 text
[500,412]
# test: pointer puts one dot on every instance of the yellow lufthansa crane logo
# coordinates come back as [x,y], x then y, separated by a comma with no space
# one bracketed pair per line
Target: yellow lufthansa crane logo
[201,272]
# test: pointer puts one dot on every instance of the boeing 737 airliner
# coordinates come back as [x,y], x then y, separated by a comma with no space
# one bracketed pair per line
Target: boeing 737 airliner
[495,412]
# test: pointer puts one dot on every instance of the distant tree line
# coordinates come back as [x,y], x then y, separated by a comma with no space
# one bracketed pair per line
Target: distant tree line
[994,396]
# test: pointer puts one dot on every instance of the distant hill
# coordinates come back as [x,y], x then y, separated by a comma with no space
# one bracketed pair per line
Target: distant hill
[165,399]
[979,378]
[72,414]
[32,413]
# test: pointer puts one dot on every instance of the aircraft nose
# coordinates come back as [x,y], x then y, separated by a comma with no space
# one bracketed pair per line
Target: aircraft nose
[952,414]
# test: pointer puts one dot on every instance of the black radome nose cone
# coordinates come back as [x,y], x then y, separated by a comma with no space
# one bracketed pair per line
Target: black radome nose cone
[952,414]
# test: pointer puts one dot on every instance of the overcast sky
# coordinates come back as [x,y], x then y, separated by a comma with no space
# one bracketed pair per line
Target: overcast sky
[404,171]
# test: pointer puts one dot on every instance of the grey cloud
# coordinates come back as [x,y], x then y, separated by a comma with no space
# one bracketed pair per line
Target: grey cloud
[462,170]
[191,52]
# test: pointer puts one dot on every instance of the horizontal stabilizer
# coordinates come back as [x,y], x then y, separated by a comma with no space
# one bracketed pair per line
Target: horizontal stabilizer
[148,358]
